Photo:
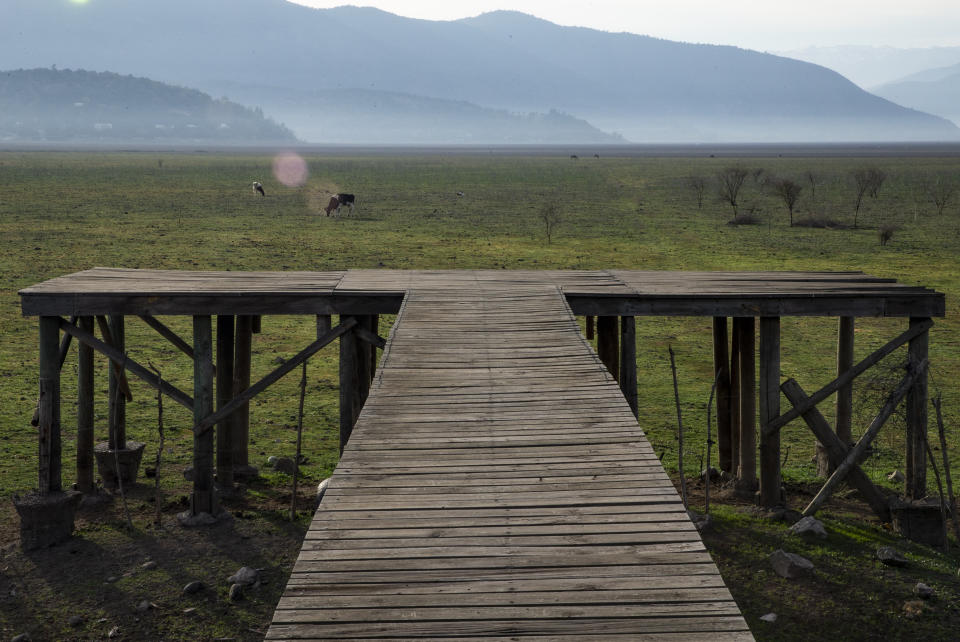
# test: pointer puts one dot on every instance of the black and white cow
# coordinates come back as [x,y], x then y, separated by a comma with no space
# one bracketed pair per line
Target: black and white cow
[347,199]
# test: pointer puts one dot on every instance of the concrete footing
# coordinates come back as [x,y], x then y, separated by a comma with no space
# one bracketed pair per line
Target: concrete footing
[46,520]
[128,459]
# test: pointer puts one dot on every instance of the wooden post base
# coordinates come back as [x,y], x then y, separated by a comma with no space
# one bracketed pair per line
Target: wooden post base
[46,520]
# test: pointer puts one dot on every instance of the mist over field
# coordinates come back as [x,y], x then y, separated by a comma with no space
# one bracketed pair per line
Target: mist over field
[364,76]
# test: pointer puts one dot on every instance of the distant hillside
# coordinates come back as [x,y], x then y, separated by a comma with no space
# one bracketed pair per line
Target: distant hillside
[936,91]
[273,53]
[871,67]
[85,106]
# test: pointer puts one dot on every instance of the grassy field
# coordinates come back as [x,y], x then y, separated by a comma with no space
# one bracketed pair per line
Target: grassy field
[62,212]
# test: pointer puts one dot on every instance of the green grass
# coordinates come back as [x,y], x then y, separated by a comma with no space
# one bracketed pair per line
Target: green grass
[64,212]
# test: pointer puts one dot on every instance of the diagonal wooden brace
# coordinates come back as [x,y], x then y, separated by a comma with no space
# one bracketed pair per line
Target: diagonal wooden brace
[836,450]
[119,358]
[116,363]
[251,392]
[855,453]
[846,377]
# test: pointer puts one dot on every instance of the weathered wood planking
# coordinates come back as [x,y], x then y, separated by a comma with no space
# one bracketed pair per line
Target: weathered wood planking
[362,292]
[497,485]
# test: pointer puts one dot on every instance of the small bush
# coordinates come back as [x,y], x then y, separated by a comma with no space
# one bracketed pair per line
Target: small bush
[886,233]
[820,222]
[745,219]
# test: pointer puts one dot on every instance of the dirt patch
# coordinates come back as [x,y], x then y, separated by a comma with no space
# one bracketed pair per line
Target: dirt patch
[109,577]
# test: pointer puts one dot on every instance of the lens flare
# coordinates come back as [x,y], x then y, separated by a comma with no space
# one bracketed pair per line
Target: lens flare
[290,169]
[79,1]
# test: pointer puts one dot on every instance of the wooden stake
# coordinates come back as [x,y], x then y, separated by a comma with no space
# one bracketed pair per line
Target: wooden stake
[676,396]
[296,459]
[946,465]
[943,504]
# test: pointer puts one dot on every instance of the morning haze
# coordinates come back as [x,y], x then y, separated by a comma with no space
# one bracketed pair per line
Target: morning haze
[361,75]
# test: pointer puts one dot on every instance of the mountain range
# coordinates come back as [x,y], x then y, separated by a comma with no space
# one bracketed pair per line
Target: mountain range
[362,75]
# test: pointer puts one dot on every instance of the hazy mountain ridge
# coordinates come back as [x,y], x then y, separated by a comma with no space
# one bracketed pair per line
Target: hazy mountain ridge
[85,106]
[936,91]
[872,67]
[647,89]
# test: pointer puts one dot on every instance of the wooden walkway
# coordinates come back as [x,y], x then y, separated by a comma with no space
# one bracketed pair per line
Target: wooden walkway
[497,486]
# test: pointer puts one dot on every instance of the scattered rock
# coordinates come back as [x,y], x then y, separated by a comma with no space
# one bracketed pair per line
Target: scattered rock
[769,617]
[700,521]
[245,575]
[193,587]
[321,489]
[236,592]
[891,556]
[790,565]
[23,637]
[714,474]
[145,606]
[924,591]
[896,476]
[283,465]
[75,620]
[200,519]
[150,471]
[188,474]
[111,579]
[114,632]
[914,608]
[190,611]
[149,565]
[809,527]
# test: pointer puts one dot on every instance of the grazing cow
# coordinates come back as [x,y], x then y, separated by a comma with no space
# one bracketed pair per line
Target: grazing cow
[333,204]
[347,199]
[574,157]
[258,188]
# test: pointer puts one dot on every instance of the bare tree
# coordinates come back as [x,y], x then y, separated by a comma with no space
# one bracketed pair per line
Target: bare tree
[789,192]
[813,178]
[875,180]
[941,192]
[861,181]
[699,185]
[731,180]
[551,216]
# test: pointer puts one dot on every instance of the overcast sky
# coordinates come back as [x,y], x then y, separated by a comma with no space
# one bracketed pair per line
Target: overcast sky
[765,25]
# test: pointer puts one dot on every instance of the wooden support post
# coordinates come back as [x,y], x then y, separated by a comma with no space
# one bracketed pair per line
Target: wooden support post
[225,431]
[117,401]
[721,371]
[770,495]
[324,323]
[375,328]
[748,404]
[735,398]
[203,499]
[349,386]
[364,376]
[916,468]
[607,348]
[844,412]
[590,328]
[49,464]
[85,390]
[241,381]
[628,362]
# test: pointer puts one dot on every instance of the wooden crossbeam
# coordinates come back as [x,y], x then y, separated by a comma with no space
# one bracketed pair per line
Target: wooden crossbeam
[836,449]
[846,377]
[171,336]
[119,358]
[855,453]
[251,392]
[370,337]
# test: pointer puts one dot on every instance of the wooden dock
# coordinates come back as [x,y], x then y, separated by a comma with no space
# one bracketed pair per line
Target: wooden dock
[497,486]
[496,483]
